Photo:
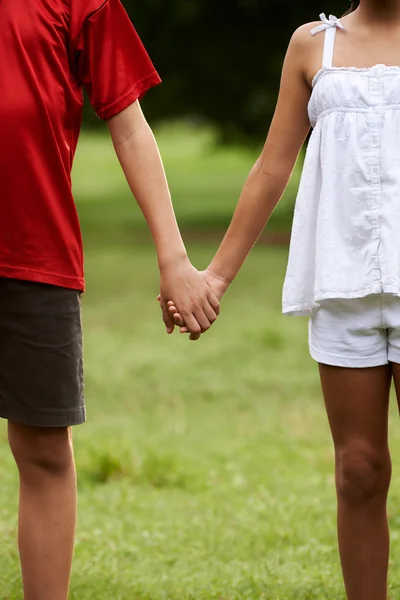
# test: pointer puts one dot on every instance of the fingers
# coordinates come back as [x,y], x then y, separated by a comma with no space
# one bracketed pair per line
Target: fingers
[173,311]
[195,321]
[205,321]
[194,337]
[214,302]
[204,318]
[198,320]
[180,322]
[177,317]
[167,317]
[191,322]
[210,313]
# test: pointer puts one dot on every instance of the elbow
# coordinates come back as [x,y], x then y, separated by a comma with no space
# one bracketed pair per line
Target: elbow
[132,135]
[278,172]
[127,126]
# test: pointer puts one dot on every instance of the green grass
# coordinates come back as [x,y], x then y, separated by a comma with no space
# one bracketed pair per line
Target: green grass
[205,469]
[205,182]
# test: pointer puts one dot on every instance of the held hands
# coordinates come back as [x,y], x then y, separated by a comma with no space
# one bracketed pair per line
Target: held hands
[190,298]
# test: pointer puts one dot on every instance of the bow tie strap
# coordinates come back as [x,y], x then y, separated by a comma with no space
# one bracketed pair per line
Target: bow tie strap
[327,23]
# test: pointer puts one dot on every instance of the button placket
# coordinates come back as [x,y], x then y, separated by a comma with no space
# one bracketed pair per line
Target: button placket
[375,121]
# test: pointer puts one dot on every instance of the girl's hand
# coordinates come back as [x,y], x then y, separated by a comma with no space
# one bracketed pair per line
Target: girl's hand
[193,299]
[217,284]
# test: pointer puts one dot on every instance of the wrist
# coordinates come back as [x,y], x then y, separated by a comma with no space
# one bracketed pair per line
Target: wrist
[220,273]
[172,259]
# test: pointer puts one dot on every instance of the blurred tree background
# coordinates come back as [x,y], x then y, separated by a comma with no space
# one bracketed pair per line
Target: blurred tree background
[220,61]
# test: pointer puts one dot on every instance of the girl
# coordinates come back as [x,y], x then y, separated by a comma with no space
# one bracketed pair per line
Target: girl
[49,50]
[342,77]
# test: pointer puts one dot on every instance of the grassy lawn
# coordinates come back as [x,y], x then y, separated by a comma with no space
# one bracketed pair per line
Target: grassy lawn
[205,469]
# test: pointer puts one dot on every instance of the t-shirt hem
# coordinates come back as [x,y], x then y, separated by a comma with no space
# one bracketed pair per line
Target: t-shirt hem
[137,92]
[25,274]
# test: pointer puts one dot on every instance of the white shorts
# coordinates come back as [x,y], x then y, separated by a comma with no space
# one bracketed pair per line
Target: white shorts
[357,332]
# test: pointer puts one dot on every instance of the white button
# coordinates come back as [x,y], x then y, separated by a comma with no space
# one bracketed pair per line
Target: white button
[375,140]
[376,169]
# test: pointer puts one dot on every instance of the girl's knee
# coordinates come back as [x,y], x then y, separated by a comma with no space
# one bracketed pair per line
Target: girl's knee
[362,475]
[41,449]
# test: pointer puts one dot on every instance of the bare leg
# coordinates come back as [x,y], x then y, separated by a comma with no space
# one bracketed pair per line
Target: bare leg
[357,402]
[47,508]
[396,379]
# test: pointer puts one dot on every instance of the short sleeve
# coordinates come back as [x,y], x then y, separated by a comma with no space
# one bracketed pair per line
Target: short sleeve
[113,65]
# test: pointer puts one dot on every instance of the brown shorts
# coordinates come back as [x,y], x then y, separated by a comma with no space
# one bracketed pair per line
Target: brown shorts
[41,362]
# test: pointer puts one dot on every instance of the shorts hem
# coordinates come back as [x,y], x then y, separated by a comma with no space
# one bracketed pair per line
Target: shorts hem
[355,362]
[394,357]
[55,419]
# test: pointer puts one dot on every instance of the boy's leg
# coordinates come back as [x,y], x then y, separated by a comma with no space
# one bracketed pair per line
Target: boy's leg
[357,402]
[47,509]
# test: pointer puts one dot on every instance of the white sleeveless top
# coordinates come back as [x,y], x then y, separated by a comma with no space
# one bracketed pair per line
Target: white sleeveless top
[346,227]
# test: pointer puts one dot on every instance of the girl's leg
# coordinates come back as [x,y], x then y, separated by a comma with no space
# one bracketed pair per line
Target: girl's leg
[396,379]
[47,508]
[357,402]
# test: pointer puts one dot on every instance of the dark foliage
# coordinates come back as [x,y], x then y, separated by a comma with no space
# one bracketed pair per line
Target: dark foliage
[220,60]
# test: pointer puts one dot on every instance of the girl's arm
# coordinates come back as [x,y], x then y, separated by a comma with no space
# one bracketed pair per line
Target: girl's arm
[271,173]
[138,154]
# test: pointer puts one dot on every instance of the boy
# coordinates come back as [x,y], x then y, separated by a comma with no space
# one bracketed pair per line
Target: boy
[49,49]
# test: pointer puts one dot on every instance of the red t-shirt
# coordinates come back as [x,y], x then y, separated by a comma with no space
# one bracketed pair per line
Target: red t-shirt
[49,50]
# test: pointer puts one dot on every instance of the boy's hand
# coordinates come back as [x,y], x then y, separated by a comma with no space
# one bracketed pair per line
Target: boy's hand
[218,285]
[194,300]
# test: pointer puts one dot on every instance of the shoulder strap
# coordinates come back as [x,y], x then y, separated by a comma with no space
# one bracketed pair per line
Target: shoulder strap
[330,27]
[329,47]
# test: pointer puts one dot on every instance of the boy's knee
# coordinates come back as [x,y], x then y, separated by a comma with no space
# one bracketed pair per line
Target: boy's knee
[42,449]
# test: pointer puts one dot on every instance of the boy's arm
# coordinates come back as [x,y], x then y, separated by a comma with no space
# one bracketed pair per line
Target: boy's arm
[140,159]
[113,66]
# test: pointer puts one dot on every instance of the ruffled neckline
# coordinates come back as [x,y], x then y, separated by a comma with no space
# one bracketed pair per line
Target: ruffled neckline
[374,68]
